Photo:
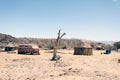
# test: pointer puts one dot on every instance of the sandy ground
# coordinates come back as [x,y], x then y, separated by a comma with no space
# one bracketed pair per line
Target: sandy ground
[69,67]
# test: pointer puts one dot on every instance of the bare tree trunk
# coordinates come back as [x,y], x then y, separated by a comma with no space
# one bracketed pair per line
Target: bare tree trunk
[57,44]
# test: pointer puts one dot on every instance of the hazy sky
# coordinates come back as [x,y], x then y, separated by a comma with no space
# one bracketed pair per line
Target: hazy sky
[84,19]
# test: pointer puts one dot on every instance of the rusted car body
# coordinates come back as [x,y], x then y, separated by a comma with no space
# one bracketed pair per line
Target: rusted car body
[28,49]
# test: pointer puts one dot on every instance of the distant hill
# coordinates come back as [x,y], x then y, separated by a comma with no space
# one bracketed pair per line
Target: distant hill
[4,38]
[45,43]
[108,42]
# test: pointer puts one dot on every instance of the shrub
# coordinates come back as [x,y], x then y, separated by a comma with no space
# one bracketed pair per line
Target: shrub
[50,46]
[64,47]
[40,46]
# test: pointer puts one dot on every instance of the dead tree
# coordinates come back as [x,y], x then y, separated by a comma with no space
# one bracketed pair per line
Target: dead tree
[56,44]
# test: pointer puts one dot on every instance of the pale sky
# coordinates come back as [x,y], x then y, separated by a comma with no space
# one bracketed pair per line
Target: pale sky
[97,20]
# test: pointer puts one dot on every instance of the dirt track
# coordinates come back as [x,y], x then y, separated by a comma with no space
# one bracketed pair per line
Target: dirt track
[69,67]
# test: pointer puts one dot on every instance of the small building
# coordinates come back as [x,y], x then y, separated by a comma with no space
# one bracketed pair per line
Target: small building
[10,47]
[83,48]
[99,47]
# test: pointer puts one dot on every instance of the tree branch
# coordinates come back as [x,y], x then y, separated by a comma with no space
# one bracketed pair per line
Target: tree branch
[62,35]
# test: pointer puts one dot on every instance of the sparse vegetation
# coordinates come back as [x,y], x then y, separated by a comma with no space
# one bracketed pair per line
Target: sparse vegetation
[64,47]
[40,46]
[50,46]
[117,45]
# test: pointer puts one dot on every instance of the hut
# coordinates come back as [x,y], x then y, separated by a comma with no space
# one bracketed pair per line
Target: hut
[10,47]
[99,47]
[83,48]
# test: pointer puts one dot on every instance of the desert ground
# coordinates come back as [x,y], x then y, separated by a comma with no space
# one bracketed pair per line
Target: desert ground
[14,66]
